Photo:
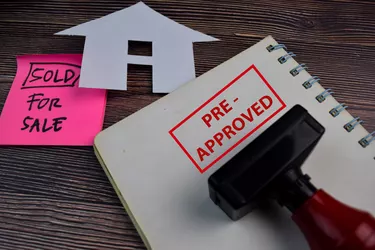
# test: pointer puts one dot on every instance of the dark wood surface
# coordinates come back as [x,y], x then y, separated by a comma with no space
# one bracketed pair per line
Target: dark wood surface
[59,197]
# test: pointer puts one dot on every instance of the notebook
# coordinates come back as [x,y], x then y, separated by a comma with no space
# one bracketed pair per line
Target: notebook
[159,158]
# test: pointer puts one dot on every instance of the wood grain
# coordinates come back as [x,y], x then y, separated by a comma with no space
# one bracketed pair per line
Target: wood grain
[59,197]
[38,222]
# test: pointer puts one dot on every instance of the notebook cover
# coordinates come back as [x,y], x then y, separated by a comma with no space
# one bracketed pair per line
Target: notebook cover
[159,158]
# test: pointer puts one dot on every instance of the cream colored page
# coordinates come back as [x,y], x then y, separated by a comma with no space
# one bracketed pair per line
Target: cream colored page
[168,195]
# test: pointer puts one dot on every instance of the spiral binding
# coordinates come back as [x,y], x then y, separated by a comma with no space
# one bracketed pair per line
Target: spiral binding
[322,97]
[285,58]
[271,48]
[338,109]
[309,83]
[298,69]
[365,141]
[351,125]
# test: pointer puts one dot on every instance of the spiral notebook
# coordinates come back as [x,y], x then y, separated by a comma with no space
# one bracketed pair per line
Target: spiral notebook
[159,159]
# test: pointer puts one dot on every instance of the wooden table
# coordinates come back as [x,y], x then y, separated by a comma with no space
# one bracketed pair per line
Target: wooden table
[59,197]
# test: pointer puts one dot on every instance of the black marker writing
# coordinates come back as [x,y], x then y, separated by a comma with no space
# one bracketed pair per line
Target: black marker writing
[67,77]
[56,124]
[32,100]
[25,125]
[48,75]
[38,101]
[42,102]
[54,103]
[36,78]
[51,75]
[56,79]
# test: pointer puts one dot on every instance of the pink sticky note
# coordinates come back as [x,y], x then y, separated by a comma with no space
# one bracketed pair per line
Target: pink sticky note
[46,107]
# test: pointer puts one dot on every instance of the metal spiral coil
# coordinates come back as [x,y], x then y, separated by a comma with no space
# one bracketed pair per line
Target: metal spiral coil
[351,125]
[295,71]
[285,58]
[322,97]
[365,141]
[271,48]
[338,109]
[310,82]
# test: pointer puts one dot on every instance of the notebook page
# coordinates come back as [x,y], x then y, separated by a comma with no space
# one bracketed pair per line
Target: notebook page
[153,155]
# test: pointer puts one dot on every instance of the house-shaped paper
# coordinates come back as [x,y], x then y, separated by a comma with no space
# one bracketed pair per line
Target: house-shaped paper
[105,57]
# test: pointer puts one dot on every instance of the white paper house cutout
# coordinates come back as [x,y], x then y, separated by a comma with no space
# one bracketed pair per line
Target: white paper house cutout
[105,56]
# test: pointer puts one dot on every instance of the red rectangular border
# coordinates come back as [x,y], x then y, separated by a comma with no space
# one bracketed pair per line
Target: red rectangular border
[252,67]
